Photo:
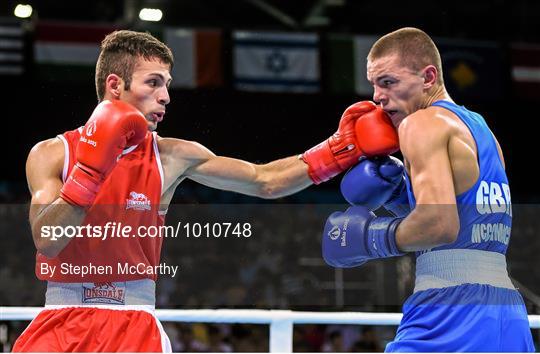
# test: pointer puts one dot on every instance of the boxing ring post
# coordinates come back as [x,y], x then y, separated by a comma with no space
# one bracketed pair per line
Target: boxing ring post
[281,333]
[281,321]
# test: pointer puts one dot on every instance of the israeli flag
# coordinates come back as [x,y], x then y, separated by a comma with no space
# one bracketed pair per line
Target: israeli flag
[276,61]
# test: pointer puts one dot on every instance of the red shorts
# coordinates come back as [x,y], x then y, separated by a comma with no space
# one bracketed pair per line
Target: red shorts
[90,329]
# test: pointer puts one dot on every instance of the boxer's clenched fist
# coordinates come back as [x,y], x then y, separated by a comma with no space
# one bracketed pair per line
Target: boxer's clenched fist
[113,126]
[364,130]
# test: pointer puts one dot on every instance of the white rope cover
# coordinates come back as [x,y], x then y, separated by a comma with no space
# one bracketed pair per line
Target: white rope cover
[280,321]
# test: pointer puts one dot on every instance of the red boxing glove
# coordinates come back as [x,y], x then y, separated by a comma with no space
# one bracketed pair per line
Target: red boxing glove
[364,130]
[113,126]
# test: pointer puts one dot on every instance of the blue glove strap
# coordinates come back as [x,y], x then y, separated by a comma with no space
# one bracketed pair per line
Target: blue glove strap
[399,202]
[381,240]
[398,209]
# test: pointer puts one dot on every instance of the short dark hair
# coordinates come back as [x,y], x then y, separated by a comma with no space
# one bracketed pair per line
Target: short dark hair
[413,46]
[120,51]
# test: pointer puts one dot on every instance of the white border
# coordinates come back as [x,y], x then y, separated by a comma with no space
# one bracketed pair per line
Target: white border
[158,160]
[66,157]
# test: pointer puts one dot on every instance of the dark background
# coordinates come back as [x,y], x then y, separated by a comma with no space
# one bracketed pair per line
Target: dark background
[261,127]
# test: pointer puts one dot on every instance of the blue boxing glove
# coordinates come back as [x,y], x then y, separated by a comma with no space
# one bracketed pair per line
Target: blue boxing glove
[355,236]
[398,204]
[377,182]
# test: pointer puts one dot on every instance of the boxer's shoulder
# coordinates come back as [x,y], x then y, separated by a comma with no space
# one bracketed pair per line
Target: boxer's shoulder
[51,145]
[44,168]
[174,149]
[430,118]
[178,155]
[426,126]
[47,155]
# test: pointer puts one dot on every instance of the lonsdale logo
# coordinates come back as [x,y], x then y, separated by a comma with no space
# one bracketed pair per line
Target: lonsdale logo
[138,201]
[103,293]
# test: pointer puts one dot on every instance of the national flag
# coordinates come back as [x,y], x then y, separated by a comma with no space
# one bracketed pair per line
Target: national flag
[472,69]
[12,47]
[276,61]
[68,52]
[197,57]
[525,60]
[347,61]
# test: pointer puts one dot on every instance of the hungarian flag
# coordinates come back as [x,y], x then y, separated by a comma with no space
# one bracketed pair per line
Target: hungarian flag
[276,61]
[197,57]
[526,70]
[67,52]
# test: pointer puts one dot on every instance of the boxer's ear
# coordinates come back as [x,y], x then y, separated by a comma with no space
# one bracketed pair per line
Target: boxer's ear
[430,75]
[114,85]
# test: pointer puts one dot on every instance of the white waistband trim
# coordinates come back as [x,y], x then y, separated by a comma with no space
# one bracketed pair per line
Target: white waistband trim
[115,294]
[446,268]
[146,308]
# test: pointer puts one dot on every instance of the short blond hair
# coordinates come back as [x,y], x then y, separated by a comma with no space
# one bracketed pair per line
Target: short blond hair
[414,47]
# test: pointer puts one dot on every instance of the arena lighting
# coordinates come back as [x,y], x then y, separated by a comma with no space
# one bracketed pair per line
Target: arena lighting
[150,14]
[23,11]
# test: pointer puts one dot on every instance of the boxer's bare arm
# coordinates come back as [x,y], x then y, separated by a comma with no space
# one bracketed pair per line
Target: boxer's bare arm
[434,221]
[189,159]
[43,172]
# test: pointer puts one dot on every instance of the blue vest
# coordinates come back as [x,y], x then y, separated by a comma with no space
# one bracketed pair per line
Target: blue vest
[485,210]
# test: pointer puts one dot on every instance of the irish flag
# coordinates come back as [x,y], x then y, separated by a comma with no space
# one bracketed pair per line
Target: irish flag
[197,57]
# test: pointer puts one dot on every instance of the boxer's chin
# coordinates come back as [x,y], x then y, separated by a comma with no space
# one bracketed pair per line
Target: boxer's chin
[152,126]
[397,118]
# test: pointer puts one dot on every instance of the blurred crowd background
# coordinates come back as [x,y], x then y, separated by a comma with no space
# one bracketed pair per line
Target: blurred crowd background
[310,67]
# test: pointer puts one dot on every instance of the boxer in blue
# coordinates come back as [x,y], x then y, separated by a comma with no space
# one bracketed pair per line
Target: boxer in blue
[452,207]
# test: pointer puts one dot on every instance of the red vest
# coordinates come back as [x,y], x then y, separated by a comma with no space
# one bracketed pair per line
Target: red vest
[131,196]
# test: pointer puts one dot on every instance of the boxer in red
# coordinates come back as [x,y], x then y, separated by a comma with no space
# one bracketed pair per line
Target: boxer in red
[117,169]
